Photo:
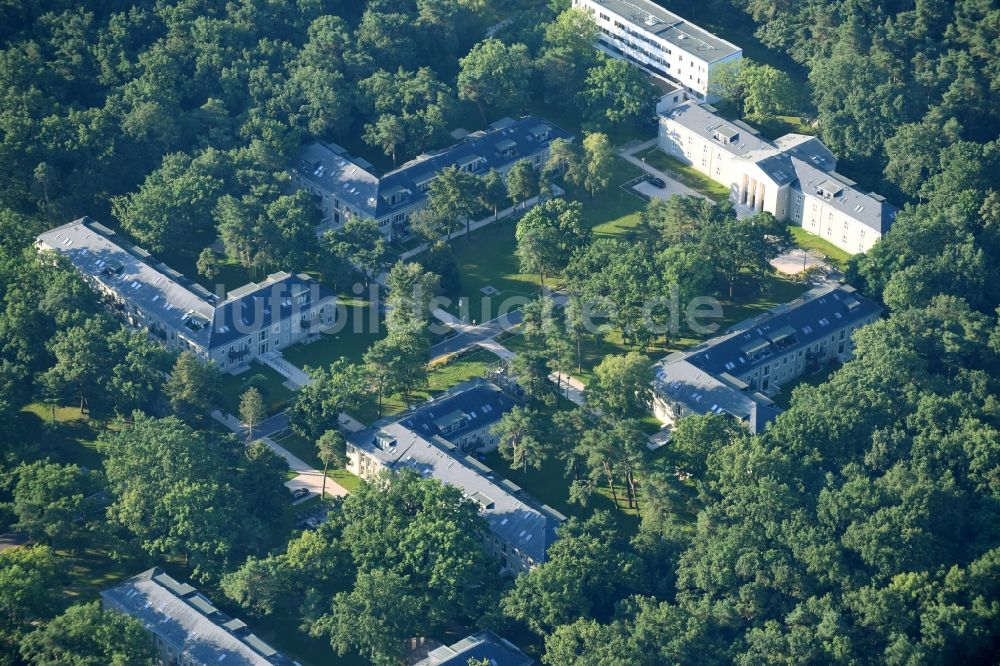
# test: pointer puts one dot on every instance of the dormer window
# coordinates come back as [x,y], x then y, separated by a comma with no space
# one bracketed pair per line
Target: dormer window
[384,440]
[423,183]
[540,132]
[726,135]
[471,164]
[396,195]
[507,148]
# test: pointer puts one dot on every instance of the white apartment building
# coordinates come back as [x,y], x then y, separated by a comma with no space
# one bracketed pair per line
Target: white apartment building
[246,323]
[661,42]
[793,178]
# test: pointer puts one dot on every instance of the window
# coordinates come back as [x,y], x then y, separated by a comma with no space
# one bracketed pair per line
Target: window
[263,335]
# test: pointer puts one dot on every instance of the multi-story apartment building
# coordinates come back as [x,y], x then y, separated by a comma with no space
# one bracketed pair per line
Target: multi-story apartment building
[463,416]
[520,528]
[187,628]
[247,323]
[346,187]
[793,178]
[734,373]
[661,42]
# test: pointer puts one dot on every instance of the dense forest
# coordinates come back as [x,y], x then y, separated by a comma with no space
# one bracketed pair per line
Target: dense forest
[862,527]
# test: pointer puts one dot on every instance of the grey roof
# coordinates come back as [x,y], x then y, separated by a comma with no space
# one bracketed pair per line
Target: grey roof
[510,512]
[188,621]
[799,161]
[809,149]
[702,120]
[871,210]
[333,172]
[479,405]
[706,377]
[679,32]
[703,393]
[185,307]
[787,327]
[481,645]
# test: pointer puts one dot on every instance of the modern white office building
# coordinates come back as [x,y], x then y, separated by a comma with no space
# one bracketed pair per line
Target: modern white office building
[661,42]
[232,330]
[793,178]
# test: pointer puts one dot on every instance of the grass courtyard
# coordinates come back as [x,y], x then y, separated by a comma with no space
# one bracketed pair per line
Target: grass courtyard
[486,259]
[358,329]
[271,385]
[811,241]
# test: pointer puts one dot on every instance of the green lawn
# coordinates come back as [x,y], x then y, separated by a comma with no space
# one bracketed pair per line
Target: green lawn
[360,329]
[749,302]
[441,377]
[593,349]
[486,258]
[614,212]
[810,241]
[686,174]
[550,485]
[68,439]
[306,452]
[231,274]
[276,394]
[283,633]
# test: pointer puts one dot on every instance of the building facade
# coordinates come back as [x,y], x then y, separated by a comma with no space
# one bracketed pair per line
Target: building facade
[520,528]
[247,323]
[187,628]
[344,187]
[736,373]
[464,416]
[794,178]
[661,43]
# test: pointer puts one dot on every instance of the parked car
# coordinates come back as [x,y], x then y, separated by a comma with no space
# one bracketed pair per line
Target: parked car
[657,182]
[299,493]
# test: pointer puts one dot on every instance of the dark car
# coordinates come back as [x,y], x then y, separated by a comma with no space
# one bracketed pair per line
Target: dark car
[299,493]
[658,182]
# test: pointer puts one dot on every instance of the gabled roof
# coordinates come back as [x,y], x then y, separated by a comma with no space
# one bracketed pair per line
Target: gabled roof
[790,326]
[190,623]
[703,121]
[185,307]
[872,211]
[479,405]
[335,173]
[255,306]
[482,645]
[802,162]
[706,378]
[511,513]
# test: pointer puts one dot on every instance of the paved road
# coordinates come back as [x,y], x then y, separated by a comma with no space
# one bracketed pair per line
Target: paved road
[473,335]
[306,476]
